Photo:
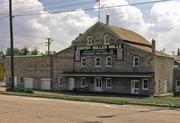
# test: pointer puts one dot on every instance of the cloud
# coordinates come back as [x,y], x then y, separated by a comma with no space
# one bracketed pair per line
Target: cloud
[30,30]
[161,22]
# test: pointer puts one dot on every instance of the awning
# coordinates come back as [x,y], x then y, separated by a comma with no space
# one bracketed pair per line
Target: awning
[107,74]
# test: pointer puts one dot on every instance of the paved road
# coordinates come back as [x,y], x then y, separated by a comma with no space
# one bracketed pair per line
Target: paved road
[14,109]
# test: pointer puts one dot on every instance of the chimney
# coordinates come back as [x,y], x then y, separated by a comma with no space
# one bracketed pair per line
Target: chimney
[153,46]
[107,20]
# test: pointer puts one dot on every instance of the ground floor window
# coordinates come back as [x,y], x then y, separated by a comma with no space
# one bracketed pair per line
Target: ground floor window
[83,82]
[60,80]
[21,80]
[108,83]
[145,84]
[178,85]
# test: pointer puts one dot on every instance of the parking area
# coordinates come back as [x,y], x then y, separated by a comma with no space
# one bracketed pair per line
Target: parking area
[15,109]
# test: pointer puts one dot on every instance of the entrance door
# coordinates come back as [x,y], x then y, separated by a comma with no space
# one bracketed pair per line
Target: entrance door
[135,86]
[71,83]
[28,83]
[98,84]
[46,84]
[165,86]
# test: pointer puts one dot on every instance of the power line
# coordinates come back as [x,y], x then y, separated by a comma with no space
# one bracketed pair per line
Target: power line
[3,18]
[87,9]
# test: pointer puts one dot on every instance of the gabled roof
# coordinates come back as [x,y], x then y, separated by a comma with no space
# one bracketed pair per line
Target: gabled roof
[123,34]
[149,49]
[130,36]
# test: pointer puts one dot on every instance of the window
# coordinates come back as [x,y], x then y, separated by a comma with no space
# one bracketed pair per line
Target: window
[136,62]
[20,80]
[89,40]
[108,61]
[108,83]
[178,85]
[60,80]
[83,82]
[9,79]
[97,62]
[83,62]
[106,39]
[145,84]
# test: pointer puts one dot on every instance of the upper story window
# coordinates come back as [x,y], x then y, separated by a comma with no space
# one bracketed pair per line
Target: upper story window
[97,62]
[108,61]
[83,82]
[145,84]
[83,62]
[106,39]
[89,40]
[60,80]
[135,61]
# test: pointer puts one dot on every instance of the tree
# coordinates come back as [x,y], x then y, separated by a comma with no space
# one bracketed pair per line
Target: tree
[17,52]
[34,51]
[2,54]
[25,51]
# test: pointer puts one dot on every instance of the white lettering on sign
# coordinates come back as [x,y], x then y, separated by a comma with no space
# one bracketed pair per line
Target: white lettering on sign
[114,46]
[83,48]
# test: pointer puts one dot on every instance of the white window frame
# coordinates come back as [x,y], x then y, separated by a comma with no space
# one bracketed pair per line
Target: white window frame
[134,62]
[83,78]
[106,37]
[177,87]
[107,83]
[143,84]
[99,62]
[89,42]
[82,61]
[107,61]
[61,83]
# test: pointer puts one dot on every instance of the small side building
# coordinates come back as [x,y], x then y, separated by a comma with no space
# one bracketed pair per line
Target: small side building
[2,69]
[30,72]
[177,75]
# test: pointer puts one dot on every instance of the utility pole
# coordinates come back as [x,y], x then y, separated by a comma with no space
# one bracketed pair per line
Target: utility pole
[48,43]
[11,42]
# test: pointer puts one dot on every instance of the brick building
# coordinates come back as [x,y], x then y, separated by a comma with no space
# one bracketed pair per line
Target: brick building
[104,58]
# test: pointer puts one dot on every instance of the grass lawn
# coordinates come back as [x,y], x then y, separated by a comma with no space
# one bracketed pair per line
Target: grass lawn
[111,99]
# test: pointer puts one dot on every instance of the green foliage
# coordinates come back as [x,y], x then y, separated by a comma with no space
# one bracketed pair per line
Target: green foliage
[20,90]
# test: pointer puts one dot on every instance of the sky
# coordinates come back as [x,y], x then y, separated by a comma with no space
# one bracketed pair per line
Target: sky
[158,20]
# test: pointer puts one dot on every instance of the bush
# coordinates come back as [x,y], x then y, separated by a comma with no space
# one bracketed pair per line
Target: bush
[20,90]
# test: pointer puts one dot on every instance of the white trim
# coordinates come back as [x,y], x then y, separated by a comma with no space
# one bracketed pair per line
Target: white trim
[85,82]
[134,61]
[99,62]
[106,83]
[143,84]
[105,39]
[87,40]
[82,60]
[60,81]
[107,61]
[133,88]
[177,87]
